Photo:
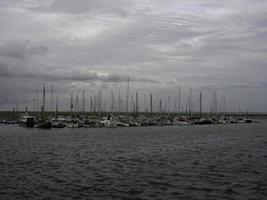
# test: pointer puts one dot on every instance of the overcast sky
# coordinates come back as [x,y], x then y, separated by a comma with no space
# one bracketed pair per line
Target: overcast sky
[161,44]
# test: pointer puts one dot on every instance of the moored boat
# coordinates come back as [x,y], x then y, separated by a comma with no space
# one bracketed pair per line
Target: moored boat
[44,125]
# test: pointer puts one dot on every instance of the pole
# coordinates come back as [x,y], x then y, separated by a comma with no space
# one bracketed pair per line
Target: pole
[151,103]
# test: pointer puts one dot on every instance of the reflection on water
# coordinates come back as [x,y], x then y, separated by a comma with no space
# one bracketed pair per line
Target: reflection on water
[196,162]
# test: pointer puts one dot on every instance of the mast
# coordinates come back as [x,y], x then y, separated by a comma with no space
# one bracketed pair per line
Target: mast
[94,103]
[176,102]
[100,100]
[156,103]
[200,104]
[37,104]
[211,111]
[190,101]
[104,106]
[33,101]
[145,109]
[17,113]
[56,106]
[168,104]
[214,101]
[127,93]
[44,98]
[179,100]
[83,103]
[77,105]
[112,102]
[136,102]
[224,104]
[91,104]
[52,98]
[151,103]
[160,106]
[43,106]
[71,104]
[119,102]
[132,103]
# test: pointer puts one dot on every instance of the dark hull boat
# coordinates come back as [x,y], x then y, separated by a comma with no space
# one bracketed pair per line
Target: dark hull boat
[204,121]
[45,125]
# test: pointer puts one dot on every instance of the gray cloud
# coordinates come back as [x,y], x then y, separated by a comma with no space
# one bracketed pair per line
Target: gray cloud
[84,6]
[160,44]
[80,74]
[18,49]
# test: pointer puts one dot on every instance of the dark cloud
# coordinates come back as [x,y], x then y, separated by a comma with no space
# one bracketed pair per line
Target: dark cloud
[18,49]
[64,75]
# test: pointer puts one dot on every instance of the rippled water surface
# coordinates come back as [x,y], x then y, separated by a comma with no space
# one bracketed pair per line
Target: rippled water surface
[172,162]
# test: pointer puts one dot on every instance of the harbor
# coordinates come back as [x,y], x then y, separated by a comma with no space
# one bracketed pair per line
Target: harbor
[108,120]
[133,100]
[123,112]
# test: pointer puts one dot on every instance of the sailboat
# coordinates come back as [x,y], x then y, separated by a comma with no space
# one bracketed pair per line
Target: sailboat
[108,122]
[45,124]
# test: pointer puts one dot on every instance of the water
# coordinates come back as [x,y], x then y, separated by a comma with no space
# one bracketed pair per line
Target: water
[172,162]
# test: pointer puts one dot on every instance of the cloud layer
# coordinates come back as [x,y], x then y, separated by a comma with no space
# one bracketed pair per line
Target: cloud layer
[160,44]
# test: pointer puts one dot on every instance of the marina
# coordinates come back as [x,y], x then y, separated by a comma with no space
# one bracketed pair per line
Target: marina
[108,120]
[114,111]
[133,100]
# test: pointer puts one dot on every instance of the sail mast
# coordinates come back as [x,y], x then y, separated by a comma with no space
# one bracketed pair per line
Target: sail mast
[52,98]
[83,103]
[44,98]
[200,104]
[71,104]
[56,106]
[127,93]
[179,100]
[151,103]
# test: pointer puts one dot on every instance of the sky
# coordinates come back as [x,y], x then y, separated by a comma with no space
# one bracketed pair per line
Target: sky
[207,45]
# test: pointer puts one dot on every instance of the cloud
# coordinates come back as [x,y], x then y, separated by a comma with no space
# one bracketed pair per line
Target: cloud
[85,6]
[203,44]
[20,50]
[53,74]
